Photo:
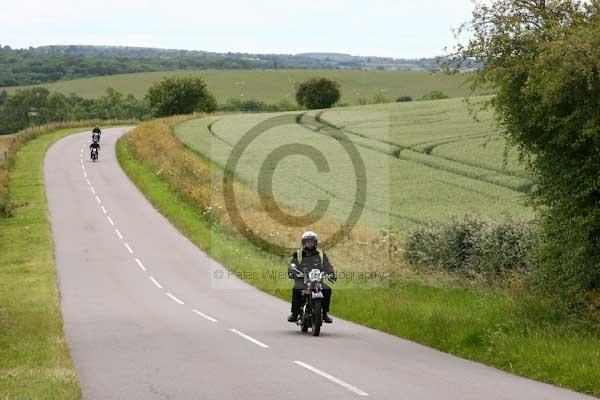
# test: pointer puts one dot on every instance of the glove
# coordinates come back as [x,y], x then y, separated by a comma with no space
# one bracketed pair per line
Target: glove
[332,278]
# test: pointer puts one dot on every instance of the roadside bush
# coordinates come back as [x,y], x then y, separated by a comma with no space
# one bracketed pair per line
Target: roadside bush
[404,99]
[435,95]
[473,246]
[252,105]
[318,93]
[243,105]
[380,98]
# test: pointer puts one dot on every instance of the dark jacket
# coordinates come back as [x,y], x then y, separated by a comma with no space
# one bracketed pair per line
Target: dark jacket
[310,260]
[95,145]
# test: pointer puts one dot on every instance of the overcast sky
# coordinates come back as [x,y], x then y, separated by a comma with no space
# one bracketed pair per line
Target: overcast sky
[394,28]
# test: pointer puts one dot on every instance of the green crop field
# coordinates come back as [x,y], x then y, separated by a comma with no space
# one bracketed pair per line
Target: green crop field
[275,85]
[424,161]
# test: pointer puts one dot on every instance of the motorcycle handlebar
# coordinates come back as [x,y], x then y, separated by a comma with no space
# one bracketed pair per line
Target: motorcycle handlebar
[299,273]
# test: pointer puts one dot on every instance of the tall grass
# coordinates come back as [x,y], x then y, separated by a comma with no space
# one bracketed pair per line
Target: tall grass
[34,356]
[198,182]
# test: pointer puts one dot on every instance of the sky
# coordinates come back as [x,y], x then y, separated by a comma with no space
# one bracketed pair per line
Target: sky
[389,28]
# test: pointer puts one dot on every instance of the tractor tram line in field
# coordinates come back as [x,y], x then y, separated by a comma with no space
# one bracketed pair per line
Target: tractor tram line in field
[214,134]
[363,205]
[457,167]
[431,160]
[326,191]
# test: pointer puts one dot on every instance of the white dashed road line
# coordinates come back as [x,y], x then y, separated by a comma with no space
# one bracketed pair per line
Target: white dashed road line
[332,378]
[237,332]
[158,285]
[174,298]
[204,315]
[128,248]
[251,339]
[137,260]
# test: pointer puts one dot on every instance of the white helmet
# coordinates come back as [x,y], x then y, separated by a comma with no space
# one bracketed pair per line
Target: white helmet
[310,235]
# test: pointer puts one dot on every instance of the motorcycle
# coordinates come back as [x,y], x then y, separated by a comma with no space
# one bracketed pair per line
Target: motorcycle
[311,314]
[94,154]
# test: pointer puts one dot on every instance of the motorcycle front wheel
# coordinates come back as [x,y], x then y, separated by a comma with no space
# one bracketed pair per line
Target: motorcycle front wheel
[317,317]
[305,318]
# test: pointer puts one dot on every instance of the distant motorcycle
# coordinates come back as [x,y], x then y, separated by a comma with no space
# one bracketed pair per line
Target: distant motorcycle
[94,154]
[311,313]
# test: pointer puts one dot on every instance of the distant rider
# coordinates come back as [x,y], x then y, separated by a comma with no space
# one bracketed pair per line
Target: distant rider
[94,145]
[96,133]
[308,256]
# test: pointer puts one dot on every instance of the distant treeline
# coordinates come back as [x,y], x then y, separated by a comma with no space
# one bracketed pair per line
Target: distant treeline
[45,64]
[38,106]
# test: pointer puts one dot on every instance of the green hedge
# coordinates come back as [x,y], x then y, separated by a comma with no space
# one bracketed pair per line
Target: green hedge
[474,246]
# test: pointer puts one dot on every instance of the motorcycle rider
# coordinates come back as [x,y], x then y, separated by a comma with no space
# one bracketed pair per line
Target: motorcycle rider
[308,256]
[96,132]
[94,145]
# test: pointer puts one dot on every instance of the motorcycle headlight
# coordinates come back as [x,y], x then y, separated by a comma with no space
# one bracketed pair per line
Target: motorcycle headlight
[315,275]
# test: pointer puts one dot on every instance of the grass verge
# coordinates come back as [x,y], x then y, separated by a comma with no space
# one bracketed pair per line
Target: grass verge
[34,357]
[518,336]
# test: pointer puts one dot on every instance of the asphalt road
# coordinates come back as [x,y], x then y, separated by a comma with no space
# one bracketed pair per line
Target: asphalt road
[145,320]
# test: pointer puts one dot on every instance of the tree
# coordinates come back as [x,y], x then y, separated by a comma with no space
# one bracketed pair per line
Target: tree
[542,59]
[56,108]
[318,93]
[23,108]
[180,95]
